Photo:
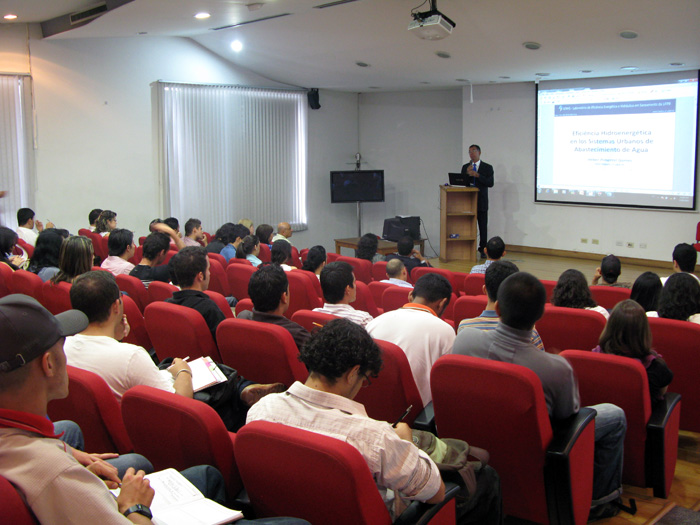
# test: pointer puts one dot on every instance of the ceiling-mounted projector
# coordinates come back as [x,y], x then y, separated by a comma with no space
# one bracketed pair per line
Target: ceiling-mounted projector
[431,25]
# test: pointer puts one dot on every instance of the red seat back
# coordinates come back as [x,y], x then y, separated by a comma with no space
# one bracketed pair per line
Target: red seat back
[92,405]
[331,256]
[379,271]
[361,268]
[236,260]
[138,335]
[458,279]
[265,255]
[179,331]
[609,296]
[474,284]
[315,282]
[243,305]
[364,300]
[393,390]
[549,288]
[296,260]
[678,342]
[302,294]
[5,279]
[469,306]
[218,281]
[564,328]
[28,248]
[56,297]
[420,271]
[271,455]
[135,288]
[238,276]
[218,257]
[84,232]
[14,509]
[27,283]
[310,319]
[262,351]
[180,433]
[138,255]
[221,302]
[160,291]
[377,288]
[395,297]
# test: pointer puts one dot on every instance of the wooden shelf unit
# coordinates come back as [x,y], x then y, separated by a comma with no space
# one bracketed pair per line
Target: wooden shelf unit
[458,216]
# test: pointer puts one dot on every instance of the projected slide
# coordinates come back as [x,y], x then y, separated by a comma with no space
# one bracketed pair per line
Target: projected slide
[619,146]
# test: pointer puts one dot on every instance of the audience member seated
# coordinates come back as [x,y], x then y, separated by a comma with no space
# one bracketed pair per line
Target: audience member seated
[408,255]
[238,233]
[75,259]
[269,290]
[8,240]
[496,273]
[106,222]
[92,218]
[315,260]
[98,349]
[494,250]
[627,334]
[49,474]
[194,234]
[284,232]
[190,267]
[397,274]
[610,269]
[249,249]
[680,298]
[44,261]
[341,358]
[173,223]
[418,330]
[26,224]
[281,254]
[151,267]
[520,303]
[338,285]
[646,291]
[248,224]
[367,248]
[121,249]
[222,237]
[572,291]
[264,233]
[684,259]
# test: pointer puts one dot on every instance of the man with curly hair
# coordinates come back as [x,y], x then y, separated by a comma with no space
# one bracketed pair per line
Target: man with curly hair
[341,357]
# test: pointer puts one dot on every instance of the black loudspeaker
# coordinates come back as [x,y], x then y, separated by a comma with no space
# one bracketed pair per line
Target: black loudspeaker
[312,94]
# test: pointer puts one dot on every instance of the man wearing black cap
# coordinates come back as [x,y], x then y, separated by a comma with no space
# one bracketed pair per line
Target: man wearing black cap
[55,486]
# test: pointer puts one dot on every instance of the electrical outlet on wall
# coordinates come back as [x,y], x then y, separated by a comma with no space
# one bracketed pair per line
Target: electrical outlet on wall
[630,245]
[618,243]
[584,241]
[595,241]
[643,245]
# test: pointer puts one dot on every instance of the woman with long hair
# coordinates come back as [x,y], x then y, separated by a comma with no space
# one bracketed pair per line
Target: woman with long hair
[75,259]
[8,240]
[627,334]
[646,291]
[572,291]
[281,253]
[367,247]
[44,261]
[249,248]
[315,260]
[680,298]
[106,222]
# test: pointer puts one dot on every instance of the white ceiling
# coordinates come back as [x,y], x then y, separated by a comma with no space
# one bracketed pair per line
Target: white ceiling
[319,47]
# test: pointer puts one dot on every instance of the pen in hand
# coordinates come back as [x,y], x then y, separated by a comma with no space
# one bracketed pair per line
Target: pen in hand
[402,416]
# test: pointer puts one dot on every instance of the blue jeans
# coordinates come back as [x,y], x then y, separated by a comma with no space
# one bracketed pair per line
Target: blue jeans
[73,436]
[610,429]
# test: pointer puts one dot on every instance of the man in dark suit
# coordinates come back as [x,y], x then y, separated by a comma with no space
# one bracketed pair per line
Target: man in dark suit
[480,175]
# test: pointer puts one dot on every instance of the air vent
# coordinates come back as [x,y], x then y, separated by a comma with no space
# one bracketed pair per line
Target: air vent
[88,14]
[251,21]
[333,4]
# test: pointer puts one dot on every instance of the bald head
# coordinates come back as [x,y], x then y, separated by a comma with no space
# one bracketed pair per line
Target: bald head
[395,269]
[284,228]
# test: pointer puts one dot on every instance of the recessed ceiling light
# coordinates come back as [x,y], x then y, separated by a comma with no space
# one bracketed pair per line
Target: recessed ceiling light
[629,34]
[142,33]
[586,71]
[462,79]
[237,46]
[443,54]
[629,68]
[676,64]
[532,45]
[202,16]
[362,64]
[424,82]
[10,16]
[504,78]
[541,74]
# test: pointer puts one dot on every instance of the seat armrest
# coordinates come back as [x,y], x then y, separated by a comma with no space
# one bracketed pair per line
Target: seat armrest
[661,411]
[426,419]
[420,513]
[566,431]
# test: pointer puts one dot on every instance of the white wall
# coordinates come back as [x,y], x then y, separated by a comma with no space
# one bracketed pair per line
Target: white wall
[415,137]
[502,121]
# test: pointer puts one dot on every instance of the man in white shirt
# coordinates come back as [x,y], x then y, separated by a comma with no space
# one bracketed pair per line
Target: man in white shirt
[397,274]
[418,330]
[284,232]
[684,259]
[341,357]
[338,285]
[26,222]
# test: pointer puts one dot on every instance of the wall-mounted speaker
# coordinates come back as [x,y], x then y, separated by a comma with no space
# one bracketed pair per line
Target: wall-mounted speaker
[312,94]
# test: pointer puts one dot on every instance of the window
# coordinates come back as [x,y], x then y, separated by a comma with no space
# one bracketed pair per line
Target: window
[228,152]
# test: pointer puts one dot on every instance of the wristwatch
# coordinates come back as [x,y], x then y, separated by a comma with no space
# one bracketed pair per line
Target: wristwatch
[139,509]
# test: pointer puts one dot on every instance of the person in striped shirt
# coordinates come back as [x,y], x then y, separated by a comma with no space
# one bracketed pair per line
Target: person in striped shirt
[338,285]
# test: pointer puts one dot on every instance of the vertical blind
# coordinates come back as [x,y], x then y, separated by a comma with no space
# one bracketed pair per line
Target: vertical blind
[229,152]
[16,152]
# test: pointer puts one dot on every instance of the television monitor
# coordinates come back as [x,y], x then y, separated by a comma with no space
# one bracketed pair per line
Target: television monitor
[357,186]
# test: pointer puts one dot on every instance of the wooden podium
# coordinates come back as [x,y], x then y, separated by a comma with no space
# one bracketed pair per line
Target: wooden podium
[458,216]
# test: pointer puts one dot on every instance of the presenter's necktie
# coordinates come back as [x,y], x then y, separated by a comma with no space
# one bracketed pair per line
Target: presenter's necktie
[474,166]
